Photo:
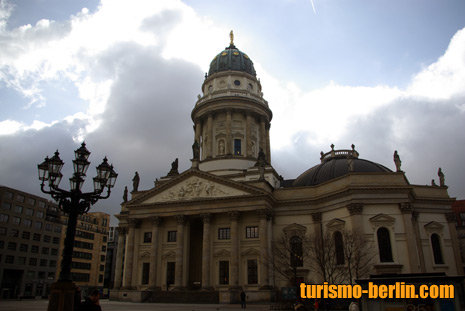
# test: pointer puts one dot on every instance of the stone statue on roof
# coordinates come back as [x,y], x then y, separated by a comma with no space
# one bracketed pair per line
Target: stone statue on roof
[231,36]
[125,194]
[397,161]
[441,178]
[196,150]
[135,182]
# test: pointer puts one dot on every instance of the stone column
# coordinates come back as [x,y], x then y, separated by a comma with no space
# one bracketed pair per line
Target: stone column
[129,257]
[355,211]
[209,140]
[406,210]
[156,221]
[178,284]
[122,231]
[270,251]
[262,134]
[316,217]
[263,215]
[198,130]
[268,147]
[451,221]
[234,267]
[229,141]
[416,229]
[248,135]
[206,251]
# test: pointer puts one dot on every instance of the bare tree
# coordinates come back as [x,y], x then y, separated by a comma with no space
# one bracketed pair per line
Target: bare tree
[359,255]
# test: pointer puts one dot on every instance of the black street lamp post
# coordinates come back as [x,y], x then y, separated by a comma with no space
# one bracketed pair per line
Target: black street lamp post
[73,202]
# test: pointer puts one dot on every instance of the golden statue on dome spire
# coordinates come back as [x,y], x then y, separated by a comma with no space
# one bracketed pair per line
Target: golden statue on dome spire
[231,36]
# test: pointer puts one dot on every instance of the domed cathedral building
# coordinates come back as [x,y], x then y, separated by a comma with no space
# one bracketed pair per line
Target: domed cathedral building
[232,223]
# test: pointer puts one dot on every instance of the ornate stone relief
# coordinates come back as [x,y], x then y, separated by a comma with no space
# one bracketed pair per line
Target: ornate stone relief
[195,188]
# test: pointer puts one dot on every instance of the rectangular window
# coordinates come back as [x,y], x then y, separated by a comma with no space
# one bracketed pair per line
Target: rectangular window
[41,204]
[9,195]
[2,231]
[36,237]
[18,209]
[14,233]
[16,220]
[45,250]
[40,214]
[56,240]
[251,232]
[171,236]
[100,278]
[27,223]
[224,272]
[48,227]
[41,275]
[43,262]
[34,249]
[33,261]
[52,263]
[3,218]
[102,258]
[170,269]
[20,198]
[145,273]
[12,246]
[26,235]
[2,244]
[21,261]
[54,252]
[102,268]
[23,248]
[29,212]
[147,237]
[38,225]
[224,233]
[9,259]
[252,272]
[237,146]
[58,229]
[31,201]
[6,206]
[47,238]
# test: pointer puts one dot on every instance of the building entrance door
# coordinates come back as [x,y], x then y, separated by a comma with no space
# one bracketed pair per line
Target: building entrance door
[195,254]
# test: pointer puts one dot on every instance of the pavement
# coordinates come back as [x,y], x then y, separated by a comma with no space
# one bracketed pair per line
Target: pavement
[41,305]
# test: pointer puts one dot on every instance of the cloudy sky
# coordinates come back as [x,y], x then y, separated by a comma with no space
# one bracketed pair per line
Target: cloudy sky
[124,76]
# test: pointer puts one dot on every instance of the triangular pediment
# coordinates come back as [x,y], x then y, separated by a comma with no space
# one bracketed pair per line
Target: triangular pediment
[145,255]
[382,219]
[336,224]
[295,228]
[222,253]
[434,227]
[251,252]
[169,254]
[194,185]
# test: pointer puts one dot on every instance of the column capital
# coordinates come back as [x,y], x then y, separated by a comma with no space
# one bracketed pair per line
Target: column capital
[132,223]
[206,217]
[405,207]
[234,215]
[263,213]
[156,221]
[316,217]
[122,230]
[355,208]
[450,217]
[180,219]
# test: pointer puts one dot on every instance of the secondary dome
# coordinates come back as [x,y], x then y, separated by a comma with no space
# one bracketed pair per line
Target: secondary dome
[337,163]
[231,58]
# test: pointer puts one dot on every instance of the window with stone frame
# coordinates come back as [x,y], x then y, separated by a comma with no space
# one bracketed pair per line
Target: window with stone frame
[171,236]
[237,147]
[147,237]
[223,272]
[384,245]
[251,232]
[145,273]
[437,251]
[296,253]
[170,273]
[252,271]
[339,248]
[224,233]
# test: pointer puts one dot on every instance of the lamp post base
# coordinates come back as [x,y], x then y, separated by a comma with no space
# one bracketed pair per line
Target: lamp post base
[61,296]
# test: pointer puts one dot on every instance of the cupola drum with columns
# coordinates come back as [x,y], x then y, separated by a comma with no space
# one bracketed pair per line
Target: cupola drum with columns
[231,118]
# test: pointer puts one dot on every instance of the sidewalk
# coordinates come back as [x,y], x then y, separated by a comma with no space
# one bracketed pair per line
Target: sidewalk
[41,305]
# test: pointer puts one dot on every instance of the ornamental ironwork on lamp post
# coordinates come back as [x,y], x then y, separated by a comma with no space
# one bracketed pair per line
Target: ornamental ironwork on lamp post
[74,202]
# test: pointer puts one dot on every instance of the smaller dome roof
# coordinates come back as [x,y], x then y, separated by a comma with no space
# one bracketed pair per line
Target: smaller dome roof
[335,164]
[231,58]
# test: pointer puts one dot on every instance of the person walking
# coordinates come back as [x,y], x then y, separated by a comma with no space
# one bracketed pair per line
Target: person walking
[91,303]
[243,299]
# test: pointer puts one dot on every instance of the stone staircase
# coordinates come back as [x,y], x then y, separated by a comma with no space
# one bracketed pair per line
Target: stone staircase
[184,296]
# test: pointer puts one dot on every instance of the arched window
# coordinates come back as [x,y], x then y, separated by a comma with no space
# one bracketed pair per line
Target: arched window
[384,245]
[436,245]
[339,248]
[296,252]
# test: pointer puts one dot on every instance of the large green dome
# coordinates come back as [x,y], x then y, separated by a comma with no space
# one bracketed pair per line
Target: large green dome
[232,59]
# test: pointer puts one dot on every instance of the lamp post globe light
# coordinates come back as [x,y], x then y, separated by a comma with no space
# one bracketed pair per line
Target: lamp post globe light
[74,203]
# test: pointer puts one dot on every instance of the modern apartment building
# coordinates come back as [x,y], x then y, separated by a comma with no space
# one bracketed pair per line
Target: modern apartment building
[112,248]
[90,249]
[30,239]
